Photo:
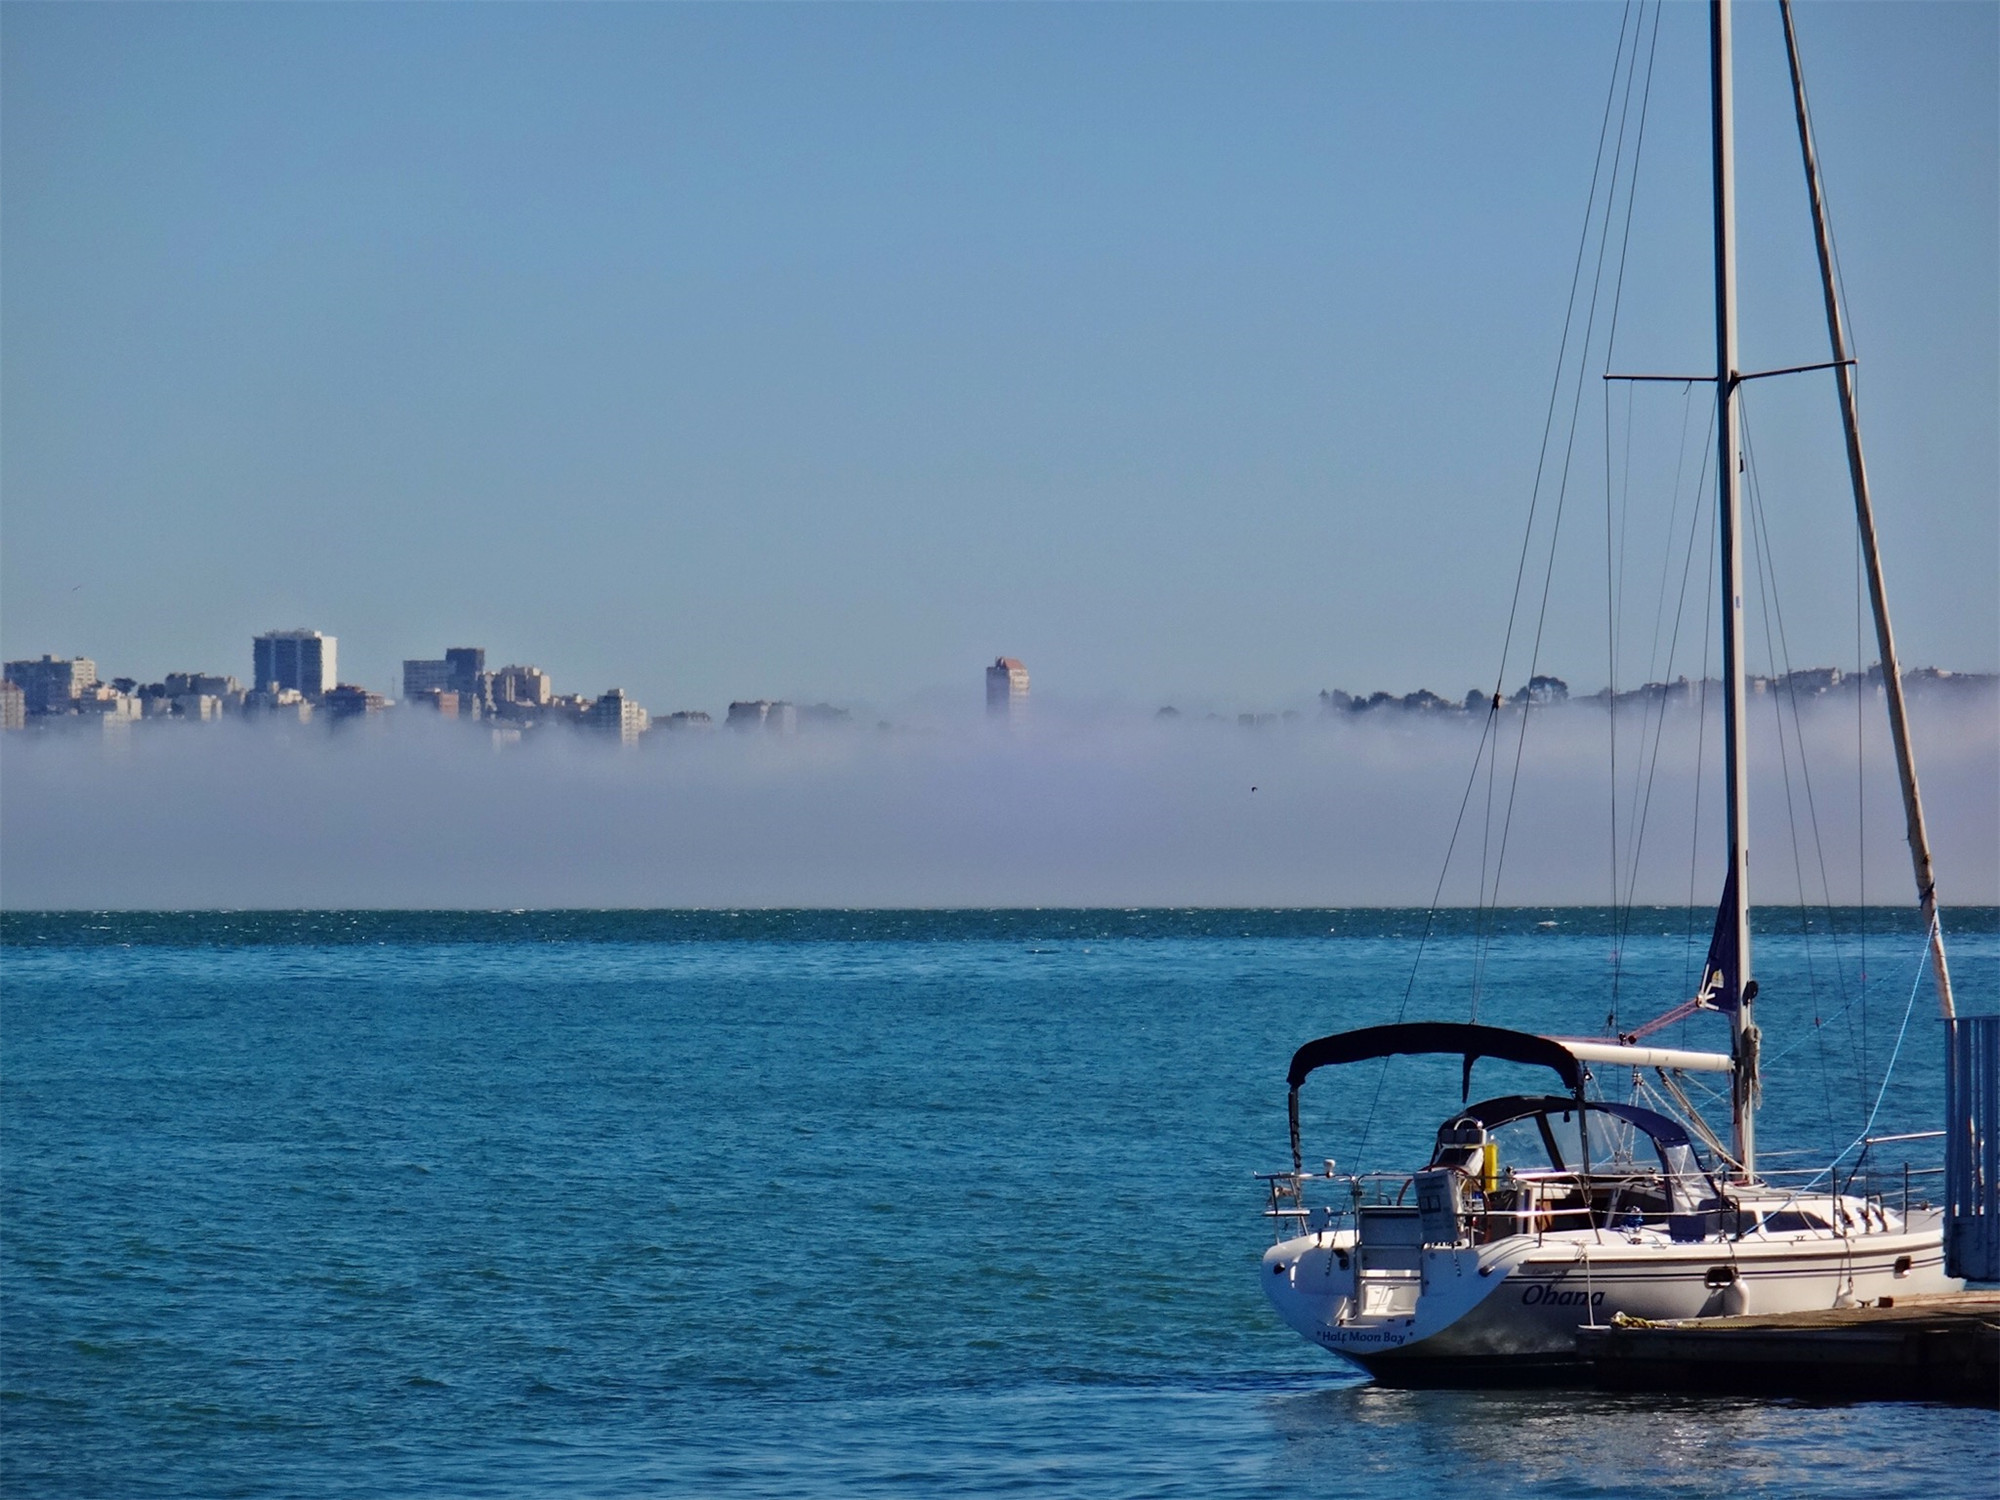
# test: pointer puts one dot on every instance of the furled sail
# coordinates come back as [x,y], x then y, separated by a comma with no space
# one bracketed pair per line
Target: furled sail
[1722,971]
[1723,989]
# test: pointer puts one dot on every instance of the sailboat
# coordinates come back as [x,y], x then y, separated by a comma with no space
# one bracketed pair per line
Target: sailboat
[1537,1214]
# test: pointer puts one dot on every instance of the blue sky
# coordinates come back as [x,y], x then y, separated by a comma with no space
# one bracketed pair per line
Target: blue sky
[1191,354]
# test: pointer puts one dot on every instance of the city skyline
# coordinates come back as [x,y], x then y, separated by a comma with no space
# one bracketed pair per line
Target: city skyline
[1181,352]
[459,685]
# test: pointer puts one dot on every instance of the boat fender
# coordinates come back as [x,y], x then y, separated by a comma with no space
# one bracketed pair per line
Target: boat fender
[1730,1297]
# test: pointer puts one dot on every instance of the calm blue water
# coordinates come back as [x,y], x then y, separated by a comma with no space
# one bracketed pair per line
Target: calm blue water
[624,1204]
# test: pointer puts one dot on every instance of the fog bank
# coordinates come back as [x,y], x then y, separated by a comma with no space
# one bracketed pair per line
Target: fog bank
[1086,811]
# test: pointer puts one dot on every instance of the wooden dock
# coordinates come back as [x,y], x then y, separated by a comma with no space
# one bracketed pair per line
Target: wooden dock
[1941,1348]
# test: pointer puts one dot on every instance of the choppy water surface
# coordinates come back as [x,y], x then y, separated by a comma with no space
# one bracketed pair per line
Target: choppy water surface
[763,1203]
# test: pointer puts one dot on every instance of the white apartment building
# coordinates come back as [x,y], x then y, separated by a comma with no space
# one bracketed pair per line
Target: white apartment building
[614,713]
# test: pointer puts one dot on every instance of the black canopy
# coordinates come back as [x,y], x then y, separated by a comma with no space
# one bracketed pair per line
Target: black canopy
[1432,1037]
[1470,1042]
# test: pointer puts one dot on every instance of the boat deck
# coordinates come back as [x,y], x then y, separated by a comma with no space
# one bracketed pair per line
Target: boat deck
[1935,1348]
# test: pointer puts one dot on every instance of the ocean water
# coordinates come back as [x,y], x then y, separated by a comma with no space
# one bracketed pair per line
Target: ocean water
[753,1203]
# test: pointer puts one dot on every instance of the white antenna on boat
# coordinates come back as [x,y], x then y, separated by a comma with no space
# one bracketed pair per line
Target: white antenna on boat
[1864,511]
[1736,769]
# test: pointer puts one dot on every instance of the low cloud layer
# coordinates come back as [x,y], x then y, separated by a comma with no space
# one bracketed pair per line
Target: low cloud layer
[1086,811]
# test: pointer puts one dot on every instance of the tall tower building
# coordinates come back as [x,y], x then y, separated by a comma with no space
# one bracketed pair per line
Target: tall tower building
[614,713]
[466,664]
[302,660]
[1006,689]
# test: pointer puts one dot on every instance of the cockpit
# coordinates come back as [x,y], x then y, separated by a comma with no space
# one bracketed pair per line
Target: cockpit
[1615,1160]
[1548,1132]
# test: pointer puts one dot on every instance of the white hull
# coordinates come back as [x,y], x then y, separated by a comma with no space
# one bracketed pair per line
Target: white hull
[1512,1307]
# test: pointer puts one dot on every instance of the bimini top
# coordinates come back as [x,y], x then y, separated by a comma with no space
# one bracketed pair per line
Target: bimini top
[1438,1037]
[1565,1056]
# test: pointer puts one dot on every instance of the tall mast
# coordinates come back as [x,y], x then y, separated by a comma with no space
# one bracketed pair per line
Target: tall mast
[1864,512]
[1735,758]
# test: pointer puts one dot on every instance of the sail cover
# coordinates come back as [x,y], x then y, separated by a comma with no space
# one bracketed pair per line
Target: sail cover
[1722,970]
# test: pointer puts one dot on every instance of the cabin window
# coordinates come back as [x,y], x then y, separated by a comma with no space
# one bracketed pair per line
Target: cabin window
[1536,1143]
[1565,1133]
[1680,1161]
[1617,1145]
[1793,1221]
[1521,1146]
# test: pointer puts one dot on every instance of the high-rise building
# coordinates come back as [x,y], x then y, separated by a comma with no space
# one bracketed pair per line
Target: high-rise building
[53,684]
[302,660]
[420,677]
[1006,688]
[461,670]
[522,685]
[467,665]
[13,706]
[614,713]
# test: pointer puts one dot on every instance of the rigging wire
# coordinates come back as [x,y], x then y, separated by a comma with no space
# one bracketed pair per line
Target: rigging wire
[1489,743]
[1923,962]
[1701,737]
[1653,672]
[1860,797]
[1685,1109]
[1611,691]
[1791,696]
[1562,495]
[1626,28]
[1832,239]
[1562,354]
[1777,647]
[1643,803]
[1764,568]
[1673,514]
[1858,1046]
[1614,584]
[1760,544]
[1430,921]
